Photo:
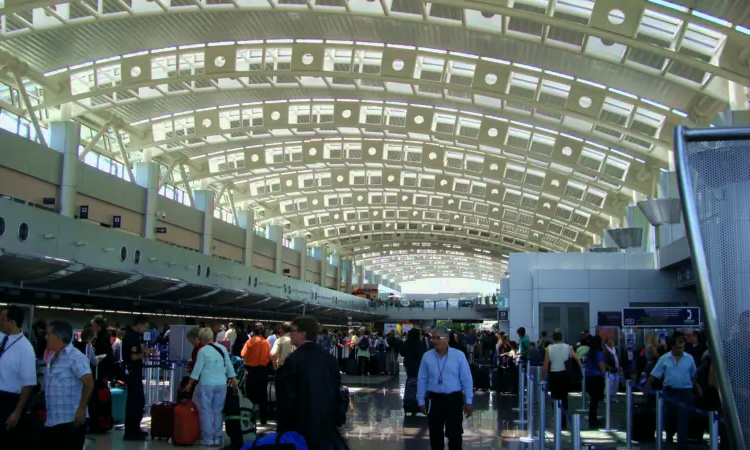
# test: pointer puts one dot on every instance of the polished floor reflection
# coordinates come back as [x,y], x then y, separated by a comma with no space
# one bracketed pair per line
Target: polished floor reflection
[376,420]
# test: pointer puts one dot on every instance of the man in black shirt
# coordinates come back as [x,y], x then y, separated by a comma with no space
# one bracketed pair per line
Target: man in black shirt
[102,346]
[133,352]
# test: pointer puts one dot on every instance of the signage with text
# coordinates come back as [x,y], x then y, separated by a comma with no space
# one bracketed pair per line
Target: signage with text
[679,317]
[608,318]
[160,230]
[502,314]
[83,212]
[116,221]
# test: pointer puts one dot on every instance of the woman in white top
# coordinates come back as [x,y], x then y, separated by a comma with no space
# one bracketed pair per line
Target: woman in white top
[213,368]
[554,363]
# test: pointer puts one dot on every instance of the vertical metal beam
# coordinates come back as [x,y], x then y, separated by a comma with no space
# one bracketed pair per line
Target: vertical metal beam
[234,209]
[124,154]
[92,143]
[29,108]
[187,184]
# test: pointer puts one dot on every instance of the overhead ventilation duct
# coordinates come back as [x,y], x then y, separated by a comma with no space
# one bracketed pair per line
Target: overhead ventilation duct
[661,211]
[604,249]
[626,237]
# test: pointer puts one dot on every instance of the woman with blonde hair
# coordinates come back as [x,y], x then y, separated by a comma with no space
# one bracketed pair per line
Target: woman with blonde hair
[213,368]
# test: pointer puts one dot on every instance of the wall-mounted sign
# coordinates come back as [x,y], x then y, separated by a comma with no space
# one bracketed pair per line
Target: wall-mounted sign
[83,212]
[685,276]
[49,201]
[116,221]
[160,230]
[609,318]
[502,314]
[681,317]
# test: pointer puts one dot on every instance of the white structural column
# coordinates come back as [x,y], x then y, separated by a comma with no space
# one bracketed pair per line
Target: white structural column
[300,244]
[276,234]
[147,176]
[246,219]
[204,202]
[667,188]
[336,259]
[324,266]
[64,137]
[360,277]
[377,278]
[348,274]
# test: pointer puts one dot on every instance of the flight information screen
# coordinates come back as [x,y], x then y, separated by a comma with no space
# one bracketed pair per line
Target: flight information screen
[682,317]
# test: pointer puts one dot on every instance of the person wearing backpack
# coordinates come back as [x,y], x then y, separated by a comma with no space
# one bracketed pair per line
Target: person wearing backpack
[363,354]
[381,347]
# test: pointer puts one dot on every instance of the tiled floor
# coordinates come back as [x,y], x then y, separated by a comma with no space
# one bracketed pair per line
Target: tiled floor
[376,421]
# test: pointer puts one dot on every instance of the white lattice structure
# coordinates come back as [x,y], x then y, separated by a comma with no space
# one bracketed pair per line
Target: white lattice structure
[422,138]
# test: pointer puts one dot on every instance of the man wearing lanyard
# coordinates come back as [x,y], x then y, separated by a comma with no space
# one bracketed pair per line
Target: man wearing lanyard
[445,381]
[678,370]
[17,372]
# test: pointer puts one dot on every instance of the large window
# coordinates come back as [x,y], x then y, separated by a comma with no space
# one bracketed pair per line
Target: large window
[176,194]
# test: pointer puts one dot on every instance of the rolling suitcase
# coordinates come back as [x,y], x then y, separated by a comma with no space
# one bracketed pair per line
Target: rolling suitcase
[162,420]
[118,404]
[100,411]
[410,397]
[187,424]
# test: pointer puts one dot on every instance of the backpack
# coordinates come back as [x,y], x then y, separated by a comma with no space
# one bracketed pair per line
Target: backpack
[381,345]
[364,343]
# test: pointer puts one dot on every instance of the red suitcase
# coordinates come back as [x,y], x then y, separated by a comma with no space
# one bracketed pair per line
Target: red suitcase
[162,420]
[187,424]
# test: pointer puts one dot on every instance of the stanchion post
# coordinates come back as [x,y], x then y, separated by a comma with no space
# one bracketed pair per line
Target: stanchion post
[521,396]
[558,424]
[583,392]
[576,433]
[629,412]
[659,419]
[531,409]
[542,414]
[713,430]
[608,405]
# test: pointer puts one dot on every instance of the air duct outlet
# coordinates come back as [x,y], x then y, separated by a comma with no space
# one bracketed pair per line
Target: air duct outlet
[661,211]
[626,237]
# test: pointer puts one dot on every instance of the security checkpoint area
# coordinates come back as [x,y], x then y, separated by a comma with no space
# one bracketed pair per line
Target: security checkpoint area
[520,179]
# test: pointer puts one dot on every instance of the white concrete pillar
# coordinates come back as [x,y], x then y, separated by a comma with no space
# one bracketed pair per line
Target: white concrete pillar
[147,176]
[377,278]
[360,277]
[246,219]
[65,137]
[348,274]
[204,202]
[276,233]
[324,267]
[666,187]
[336,259]
[299,243]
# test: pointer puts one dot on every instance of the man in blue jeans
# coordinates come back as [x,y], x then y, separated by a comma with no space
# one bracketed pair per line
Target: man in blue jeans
[677,368]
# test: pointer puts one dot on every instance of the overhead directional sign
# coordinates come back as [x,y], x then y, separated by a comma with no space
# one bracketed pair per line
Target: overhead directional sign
[679,317]
[608,318]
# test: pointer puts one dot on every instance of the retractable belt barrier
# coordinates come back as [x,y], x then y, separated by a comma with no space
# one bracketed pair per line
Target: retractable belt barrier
[528,384]
[159,376]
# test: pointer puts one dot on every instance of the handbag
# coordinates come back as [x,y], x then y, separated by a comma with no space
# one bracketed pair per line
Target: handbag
[573,370]
[232,397]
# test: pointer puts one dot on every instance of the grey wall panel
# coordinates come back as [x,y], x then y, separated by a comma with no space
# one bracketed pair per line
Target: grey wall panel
[105,187]
[54,236]
[264,247]
[653,295]
[674,253]
[290,256]
[608,279]
[180,215]
[561,279]
[229,233]
[28,157]
[651,279]
[560,296]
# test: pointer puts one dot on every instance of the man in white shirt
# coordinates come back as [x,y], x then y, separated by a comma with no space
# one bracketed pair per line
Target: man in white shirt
[272,338]
[231,334]
[282,346]
[17,372]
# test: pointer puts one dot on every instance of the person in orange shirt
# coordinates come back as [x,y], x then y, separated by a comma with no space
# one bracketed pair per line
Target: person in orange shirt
[257,355]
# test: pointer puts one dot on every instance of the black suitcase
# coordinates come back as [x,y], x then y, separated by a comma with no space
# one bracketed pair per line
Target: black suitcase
[395,366]
[410,397]
[481,377]
[352,367]
[644,423]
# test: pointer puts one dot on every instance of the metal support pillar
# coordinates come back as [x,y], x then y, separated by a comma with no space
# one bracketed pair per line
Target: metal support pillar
[30,110]
[92,143]
[576,431]
[124,154]
[147,176]
[188,189]
[276,233]
[659,419]
[204,202]
[324,267]
[360,276]
[64,138]
[558,424]
[542,414]
[246,219]
[530,407]
[300,244]
[348,274]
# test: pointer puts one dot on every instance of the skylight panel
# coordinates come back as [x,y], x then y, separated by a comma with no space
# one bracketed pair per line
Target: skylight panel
[249,59]
[702,40]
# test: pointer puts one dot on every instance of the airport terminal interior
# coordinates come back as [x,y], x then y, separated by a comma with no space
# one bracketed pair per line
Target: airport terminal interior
[584,163]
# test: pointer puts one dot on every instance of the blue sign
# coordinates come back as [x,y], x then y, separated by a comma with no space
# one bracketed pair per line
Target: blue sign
[630,346]
[502,314]
[679,317]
